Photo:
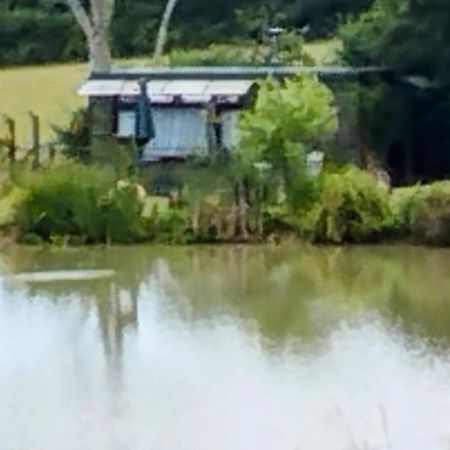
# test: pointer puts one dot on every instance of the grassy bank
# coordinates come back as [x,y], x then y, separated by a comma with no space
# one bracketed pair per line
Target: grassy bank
[50,90]
[69,203]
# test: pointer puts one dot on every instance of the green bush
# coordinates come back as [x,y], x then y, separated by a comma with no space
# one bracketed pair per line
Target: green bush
[430,222]
[288,120]
[364,36]
[77,203]
[290,51]
[352,207]
[404,203]
[123,215]
[64,200]
[10,203]
[168,225]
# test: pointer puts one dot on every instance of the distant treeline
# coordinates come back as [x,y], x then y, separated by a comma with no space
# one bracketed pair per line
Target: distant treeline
[34,31]
[407,120]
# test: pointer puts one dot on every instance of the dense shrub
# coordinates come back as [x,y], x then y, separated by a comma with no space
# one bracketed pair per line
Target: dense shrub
[79,203]
[431,216]
[122,210]
[352,207]
[64,200]
[288,120]
[34,36]
[75,138]
[216,55]
[364,36]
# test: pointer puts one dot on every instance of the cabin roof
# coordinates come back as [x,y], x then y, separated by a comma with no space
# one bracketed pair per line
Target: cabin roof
[235,72]
[198,85]
[187,91]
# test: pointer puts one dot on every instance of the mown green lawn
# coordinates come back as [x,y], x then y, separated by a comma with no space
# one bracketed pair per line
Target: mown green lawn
[50,90]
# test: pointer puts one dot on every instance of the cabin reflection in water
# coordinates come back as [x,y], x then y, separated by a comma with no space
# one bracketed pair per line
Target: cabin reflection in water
[115,307]
[117,312]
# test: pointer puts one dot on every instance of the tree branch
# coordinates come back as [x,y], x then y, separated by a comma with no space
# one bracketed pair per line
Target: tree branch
[81,16]
[109,6]
[163,29]
[102,12]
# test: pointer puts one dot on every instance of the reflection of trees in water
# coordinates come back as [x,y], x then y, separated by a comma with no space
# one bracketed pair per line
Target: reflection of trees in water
[282,291]
[298,290]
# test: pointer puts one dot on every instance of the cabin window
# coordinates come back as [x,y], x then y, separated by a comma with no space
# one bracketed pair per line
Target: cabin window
[126,123]
[179,131]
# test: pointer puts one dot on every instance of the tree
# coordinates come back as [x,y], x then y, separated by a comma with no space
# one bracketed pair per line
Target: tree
[164,28]
[406,119]
[95,22]
[365,36]
[289,119]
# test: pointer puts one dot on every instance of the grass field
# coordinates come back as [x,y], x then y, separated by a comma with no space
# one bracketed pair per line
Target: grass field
[50,91]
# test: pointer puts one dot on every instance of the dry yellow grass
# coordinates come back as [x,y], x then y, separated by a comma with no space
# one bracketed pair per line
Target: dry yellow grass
[50,91]
[324,52]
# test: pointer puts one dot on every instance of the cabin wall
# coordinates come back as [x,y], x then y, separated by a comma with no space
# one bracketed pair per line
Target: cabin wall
[181,130]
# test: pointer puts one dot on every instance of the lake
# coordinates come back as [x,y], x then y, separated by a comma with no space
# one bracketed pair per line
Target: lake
[225,348]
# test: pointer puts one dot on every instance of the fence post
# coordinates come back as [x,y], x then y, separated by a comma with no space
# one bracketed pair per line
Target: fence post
[10,139]
[35,139]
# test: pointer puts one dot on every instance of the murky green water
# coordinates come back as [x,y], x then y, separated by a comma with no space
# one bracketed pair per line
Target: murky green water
[225,349]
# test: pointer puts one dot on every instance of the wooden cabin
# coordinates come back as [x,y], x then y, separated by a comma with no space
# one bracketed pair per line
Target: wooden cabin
[181,100]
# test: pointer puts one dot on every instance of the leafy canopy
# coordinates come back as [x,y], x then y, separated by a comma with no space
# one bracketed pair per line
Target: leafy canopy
[288,118]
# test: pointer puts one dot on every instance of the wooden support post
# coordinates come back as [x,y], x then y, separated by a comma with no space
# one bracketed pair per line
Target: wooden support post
[35,139]
[10,138]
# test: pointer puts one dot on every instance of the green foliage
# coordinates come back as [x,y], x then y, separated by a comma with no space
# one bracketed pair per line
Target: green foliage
[123,214]
[406,121]
[74,202]
[216,55]
[42,31]
[75,138]
[364,36]
[431,215]
[10,204]
[404,203]
[64,200]
[290,51]
[352,207]
[33,36]
[288,120]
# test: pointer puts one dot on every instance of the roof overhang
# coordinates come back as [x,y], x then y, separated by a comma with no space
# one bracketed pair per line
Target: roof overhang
[171,91]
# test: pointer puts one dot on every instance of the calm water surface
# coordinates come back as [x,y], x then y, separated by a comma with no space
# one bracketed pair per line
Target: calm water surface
[226,349]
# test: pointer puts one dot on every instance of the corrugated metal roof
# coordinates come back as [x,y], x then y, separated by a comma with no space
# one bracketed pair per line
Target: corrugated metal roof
[102,88]
[238,72]
[161,91]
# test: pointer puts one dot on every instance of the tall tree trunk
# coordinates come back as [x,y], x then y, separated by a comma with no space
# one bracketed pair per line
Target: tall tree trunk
[99,53]
[95,23]
[164,28]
